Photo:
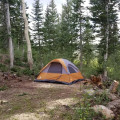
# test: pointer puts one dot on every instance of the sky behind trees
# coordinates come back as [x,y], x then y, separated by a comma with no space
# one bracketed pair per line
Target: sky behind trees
[59,6]
[45,3]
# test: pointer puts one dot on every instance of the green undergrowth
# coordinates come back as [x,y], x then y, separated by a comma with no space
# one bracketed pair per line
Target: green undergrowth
[83,110]
[20,71]
[4,87]
[3,68]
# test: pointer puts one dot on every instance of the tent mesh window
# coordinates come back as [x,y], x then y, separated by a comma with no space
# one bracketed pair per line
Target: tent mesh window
[55,68]
[71,69]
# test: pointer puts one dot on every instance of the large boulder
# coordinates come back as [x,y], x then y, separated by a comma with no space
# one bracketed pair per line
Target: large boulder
[104,110]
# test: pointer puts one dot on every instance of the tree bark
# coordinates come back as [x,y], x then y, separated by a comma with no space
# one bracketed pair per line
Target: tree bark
[29,50]
[114,86]
[8,25]
[81,39]
[107,39]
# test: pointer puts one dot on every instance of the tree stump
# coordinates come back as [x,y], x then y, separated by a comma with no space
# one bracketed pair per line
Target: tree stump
[114,86]
[97,80]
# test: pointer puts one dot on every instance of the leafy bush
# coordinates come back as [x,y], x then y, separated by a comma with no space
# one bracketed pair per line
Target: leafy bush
[84,111]
[18,62]
[27,71]
[91,68]
[113,66]
[19,73]
[14,69]
[101,99]
[3,68]
[7,61]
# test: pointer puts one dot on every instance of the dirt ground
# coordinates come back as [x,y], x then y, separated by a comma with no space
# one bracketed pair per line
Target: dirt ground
[23,99]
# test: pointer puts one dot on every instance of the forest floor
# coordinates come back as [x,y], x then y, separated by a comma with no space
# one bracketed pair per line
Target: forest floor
[24,99]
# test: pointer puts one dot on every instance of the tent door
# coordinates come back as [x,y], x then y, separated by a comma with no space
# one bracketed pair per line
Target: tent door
[55,68]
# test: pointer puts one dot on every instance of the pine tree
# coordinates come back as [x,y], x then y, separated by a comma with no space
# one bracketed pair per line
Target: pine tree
[104,16]
[37,18]
[67,45]
[78,25]
[17,23]
[50,27]
[88,38]
[3,31]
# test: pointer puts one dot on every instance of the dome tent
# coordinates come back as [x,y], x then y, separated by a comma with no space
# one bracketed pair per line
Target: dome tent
[60,70]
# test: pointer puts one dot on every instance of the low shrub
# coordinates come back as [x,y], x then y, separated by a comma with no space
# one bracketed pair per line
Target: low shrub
[85,112]
[14,69]
[3,68]
[27,71]
[7,61]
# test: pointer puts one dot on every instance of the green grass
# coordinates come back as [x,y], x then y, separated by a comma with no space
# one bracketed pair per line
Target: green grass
[3,88]
[83,110]
[20,104]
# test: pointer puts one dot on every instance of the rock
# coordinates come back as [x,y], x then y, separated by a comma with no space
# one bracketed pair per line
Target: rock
[114,104]
[104,110]
[3,102]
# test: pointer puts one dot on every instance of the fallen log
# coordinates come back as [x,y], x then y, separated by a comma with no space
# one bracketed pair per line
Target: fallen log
[114,86]
[87,82]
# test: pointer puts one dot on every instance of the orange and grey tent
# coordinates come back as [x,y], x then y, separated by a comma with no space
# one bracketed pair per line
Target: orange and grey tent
[60,70]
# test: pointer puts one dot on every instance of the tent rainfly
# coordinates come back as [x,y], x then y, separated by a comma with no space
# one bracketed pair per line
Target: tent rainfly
[61,71]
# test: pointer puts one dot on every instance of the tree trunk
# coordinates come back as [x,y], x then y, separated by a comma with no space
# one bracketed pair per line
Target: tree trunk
[107,39]
[29,50]
[81,39]
[8,25]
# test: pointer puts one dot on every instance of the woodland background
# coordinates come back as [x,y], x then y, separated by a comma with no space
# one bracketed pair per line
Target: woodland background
[91,41]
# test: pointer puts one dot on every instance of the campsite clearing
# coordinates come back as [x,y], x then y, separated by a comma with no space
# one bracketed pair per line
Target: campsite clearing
[29,100]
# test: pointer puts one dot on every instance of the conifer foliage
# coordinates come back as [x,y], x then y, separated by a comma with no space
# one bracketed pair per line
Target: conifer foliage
[104,17]
[50,26]
[37,28]
[90,40]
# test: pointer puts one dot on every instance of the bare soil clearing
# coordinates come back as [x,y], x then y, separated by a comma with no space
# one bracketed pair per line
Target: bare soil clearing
[28,100]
